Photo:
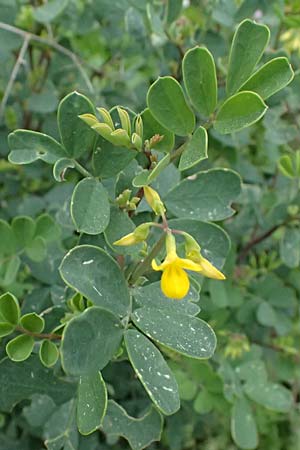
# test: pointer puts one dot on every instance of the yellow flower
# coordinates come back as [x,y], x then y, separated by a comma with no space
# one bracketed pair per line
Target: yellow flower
[175,282]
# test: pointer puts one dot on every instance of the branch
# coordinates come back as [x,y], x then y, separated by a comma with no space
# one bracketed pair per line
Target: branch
[51,43]
[14,73]
[262,237]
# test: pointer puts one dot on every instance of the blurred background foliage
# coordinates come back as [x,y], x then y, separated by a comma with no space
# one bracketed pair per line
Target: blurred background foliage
[112,51]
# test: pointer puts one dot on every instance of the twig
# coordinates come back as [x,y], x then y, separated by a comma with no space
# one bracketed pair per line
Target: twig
[262,237]
[51,43]
[14,73]
[50,336]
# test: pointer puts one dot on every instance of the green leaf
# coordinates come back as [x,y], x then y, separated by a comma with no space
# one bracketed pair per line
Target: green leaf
[152,127]
[9,309]
[89,341]
[173,9]
[290,247]
[243,426]
[239,111]
[200,79]
[248,45]
[49,11]
[24,230]
[90,271]
[152,295]
[167,104]
[76,136]
[61,431]
[148,176]
[7,239]
[37,250]
[140,432]
[60,168]
[47,228]
[187,335]
[270,78]
[21,381]
[213,240]
[6,329]
[120,225]
[153,372]
[32,322]
[207,196]
[28,146]
[91,403]
[39,411]
[11,270]
[90,206]
[20,348]
[48,353]
[195,150]
[109,160]
[218,293]
[270,395]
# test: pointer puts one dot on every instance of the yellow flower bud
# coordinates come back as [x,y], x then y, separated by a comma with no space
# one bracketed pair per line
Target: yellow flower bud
[140,234]
[106,117]
[139,129]
[153,200]
[125,120]
[137,141]
[89,119]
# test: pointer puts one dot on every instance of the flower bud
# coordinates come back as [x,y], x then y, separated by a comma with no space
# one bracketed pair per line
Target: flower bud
[153,200]
[140,234]
[120,137]
[89,119]
[106,117]
[137,141]
[139,128]
[125,120]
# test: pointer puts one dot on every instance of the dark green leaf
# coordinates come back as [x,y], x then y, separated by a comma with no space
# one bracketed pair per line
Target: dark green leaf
[21,381]
[138,432]
[153,372]
[90,206]
[239,111]
[270,78]
[90,270]
[168,106]
[28,146]
[248,45]
[243,426]
[77,137]
[89,341]
[207,196]
[187,335]
[195,150]
[91,403]
[200,80]
[153,127]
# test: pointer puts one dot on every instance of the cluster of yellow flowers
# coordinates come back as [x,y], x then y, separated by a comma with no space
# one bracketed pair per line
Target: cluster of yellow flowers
[175,282]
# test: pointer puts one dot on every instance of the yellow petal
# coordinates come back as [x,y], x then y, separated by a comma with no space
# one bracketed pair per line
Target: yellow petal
[210,271]
[188,264]
[157,267]
[175,282]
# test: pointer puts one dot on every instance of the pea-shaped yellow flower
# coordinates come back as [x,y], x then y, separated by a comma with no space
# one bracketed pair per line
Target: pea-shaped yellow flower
[175,282]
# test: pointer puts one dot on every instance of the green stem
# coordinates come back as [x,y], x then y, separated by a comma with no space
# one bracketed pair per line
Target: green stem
[82,170]
[145,264]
